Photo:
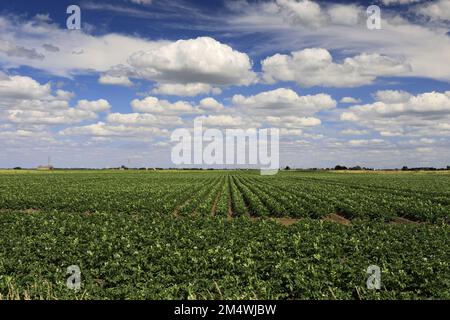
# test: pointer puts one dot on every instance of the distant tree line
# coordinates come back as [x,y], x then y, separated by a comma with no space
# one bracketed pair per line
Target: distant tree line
[338,167]
[404,168]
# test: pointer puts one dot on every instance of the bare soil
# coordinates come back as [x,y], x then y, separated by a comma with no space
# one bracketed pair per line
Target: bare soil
[338,219]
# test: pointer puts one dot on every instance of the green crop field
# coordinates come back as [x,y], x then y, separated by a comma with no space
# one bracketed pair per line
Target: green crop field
[224,234]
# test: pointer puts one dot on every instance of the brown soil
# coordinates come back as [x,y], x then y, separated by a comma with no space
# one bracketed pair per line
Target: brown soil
[175,211]
[401,220]
[230,211]
[213,209]
[31,210]
[100,282]
[283,221]
[338,219]
[287,221]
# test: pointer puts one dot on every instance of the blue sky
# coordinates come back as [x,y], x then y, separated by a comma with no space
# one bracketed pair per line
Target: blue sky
[112,92]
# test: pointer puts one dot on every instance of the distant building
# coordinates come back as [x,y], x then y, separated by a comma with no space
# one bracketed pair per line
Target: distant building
[50,167]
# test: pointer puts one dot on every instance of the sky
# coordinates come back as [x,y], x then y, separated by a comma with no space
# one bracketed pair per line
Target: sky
[113,92]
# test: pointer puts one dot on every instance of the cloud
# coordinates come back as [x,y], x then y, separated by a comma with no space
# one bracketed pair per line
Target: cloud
[50,47]
[354,132]
[161,144]
[310,14]
[42,17]
[283,101]
[404,37]
[12,50]
[157,106]
[25,134]
[392,96]
[21,39]
[102,129]
[438,10]
[54,117]
[145,2]
[362,142]
[189,89]
[223,121]
[388,133]
[96,106]
[303,12]
[430,103]
[145,119]
[345,14]
[291,132]
[64,95]
[21,87]
[201,60]
[117,9]
[422,141]
[185,67]
[211,105]
[25,141]
[27,102]
[292,121]
[424,150]
[315,67]
[283,15]
[349,100]
[397,2]
[115,80]
[399,113]
[281,108]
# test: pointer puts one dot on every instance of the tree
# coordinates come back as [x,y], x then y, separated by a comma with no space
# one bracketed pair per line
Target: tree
[287,168]
[405,168]
[338,167]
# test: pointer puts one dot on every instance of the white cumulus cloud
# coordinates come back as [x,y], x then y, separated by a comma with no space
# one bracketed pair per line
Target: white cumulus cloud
[201,60]
[100,105]
[349,100]
[158,106]
[188,89]
[315,67]
[399,113]
[283,101]
[115,80]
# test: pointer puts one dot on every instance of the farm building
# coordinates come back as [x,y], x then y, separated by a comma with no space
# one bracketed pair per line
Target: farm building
[48,167]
